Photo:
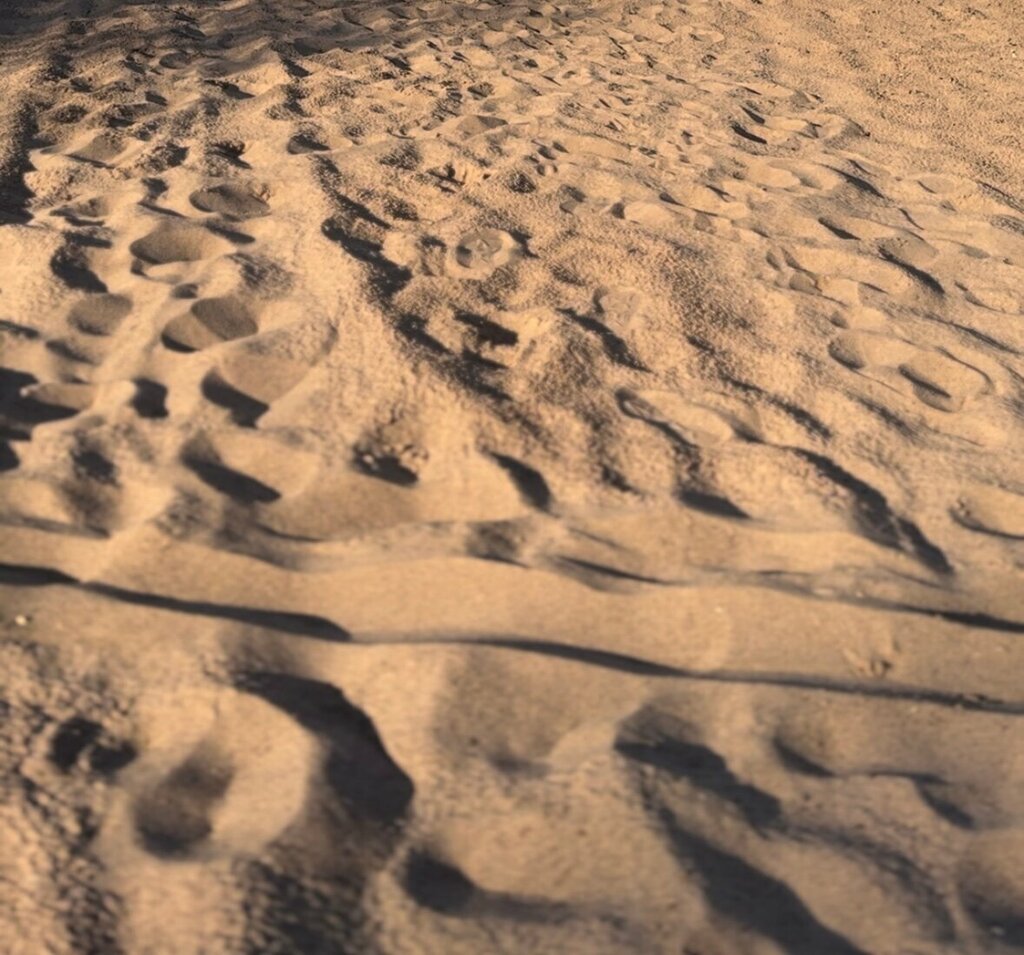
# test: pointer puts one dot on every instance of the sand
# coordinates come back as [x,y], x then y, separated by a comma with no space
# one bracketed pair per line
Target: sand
[511,477]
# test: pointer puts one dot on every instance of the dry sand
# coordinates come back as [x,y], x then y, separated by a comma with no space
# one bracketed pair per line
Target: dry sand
[511,477]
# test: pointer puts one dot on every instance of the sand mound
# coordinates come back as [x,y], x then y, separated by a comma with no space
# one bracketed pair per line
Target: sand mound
[506,477]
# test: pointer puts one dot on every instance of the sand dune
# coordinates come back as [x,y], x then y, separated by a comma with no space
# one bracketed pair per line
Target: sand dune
[511,477]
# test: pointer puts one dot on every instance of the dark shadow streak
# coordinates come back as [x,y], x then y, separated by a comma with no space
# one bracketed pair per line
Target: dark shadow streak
[640,667]
[320,628]
[582,568]
[738,890]
[588,572]
[615,347]
[300,624]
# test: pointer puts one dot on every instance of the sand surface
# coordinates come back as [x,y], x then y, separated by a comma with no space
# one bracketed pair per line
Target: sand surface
[511,477]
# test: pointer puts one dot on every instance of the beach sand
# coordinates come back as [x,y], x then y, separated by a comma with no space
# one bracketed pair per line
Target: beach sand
[511,477]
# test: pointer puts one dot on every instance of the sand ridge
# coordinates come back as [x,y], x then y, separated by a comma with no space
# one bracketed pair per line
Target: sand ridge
[507,477]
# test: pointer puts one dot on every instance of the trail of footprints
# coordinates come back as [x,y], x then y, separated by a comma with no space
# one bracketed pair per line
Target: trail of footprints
[499,171]
[178,252]
[726,793]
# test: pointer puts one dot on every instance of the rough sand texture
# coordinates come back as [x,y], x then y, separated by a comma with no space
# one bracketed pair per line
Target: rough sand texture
[511,477]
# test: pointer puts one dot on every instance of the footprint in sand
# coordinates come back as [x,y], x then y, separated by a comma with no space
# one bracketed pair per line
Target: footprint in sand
[991,510]
[179,242]
[175,815]
[237,201]
[480,252]
[74,396]
[177,60]
[864,350]
[100,314]
[510,337]
[653,215]
[469,126]
[212,796]
[247,383]
[696,423]
[622,309]
[211,321]
[943,382]
[302,143]
[249,466]
[757,124]
[78,351]
[95,209]
[936,379]
[101,150]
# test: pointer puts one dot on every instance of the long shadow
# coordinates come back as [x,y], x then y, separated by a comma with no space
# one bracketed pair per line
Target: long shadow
[320,628]
[754,898]
[704,768]
[300,624]
[357,768]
